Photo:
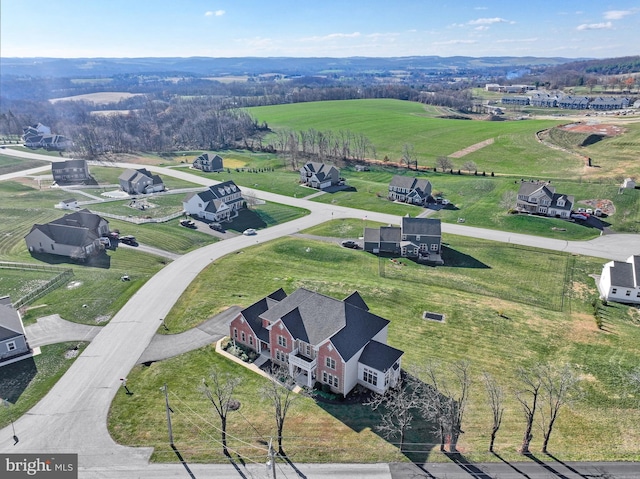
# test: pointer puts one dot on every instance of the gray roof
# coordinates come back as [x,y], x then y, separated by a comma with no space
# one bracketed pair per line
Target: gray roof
[527,188]
[421,226]
[622,273]
[379,356]
[252,313]
[321,170]
[62,165]
[356,300]
[76,229]
[10,323]
[421,185]
[217,192]
[390,234]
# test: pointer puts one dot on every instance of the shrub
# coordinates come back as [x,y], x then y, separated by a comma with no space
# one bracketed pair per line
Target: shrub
[326,388]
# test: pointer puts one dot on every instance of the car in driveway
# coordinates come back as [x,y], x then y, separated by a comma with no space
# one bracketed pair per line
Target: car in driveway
[216,227]
[129,239]
[350,244]
[579,216]
[187,223]
[249,232]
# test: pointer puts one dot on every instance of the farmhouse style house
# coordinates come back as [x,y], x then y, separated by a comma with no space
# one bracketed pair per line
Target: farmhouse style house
[70,171]
[417,238]
[140,182]
[540,198]
[620,281]
[321,339]
[39,136]
[209,163]
[319,175]
[219,202]
[13,341]
[416,191]
[76,235]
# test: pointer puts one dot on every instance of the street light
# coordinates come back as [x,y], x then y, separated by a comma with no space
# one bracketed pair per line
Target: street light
[7,404]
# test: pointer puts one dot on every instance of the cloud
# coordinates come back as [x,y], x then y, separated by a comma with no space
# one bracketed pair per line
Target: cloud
[217,13]
[455,42]
[518,40]
[331,36]
[481,28]
[617,14]
[487,21]
[594,26]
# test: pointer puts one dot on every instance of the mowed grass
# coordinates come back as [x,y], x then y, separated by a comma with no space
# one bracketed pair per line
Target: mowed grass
[502,310]
[390,124]
[11,164]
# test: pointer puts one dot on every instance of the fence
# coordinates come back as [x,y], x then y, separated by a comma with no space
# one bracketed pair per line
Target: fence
[139,221]
[58,280]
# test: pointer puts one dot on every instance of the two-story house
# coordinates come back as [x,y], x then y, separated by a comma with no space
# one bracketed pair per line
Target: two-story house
[540,198]
[620,281]
[417,238]
[219,202]
[77,235]
[319,175]
[209,163]
[13,341]
[70,171]
[321,339]
[416,191]
[140,182]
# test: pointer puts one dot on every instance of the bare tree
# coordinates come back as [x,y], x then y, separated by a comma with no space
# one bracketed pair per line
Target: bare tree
[444,163]
[279,392]
[408,156]
[220,393]
[250,199]
[470,166]
[508,200]
[398,407]
[445,397]
[528,395]
[495,398]
[558,386]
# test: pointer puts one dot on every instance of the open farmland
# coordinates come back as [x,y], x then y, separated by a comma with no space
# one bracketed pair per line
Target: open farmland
[99,98]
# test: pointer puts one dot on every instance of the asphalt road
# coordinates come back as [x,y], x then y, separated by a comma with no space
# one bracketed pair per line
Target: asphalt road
[72,417]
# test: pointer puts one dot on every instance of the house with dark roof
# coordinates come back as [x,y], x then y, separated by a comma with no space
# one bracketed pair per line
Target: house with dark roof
[620,281]
[317,338]
[219,202]
[76,235]
[13,341]
[70,171]
[319,175]
[40,136]
[209,163]
[140,182]
[406,189]
[540,198]
[416,238]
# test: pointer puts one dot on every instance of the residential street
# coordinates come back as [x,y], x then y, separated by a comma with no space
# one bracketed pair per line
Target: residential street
[72,417]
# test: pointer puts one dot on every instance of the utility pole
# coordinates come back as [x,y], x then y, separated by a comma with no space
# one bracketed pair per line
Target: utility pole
[169,411]
[272,460]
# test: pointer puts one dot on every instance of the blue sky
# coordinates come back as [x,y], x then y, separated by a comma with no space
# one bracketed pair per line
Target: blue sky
[315,28]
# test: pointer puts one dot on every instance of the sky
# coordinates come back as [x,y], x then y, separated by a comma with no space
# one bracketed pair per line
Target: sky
[319,28]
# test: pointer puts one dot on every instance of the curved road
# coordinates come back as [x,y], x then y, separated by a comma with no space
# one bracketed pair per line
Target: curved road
[72,417]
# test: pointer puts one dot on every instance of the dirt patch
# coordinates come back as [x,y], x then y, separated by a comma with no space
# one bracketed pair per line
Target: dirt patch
[606,206]
[594,128]
[583,328]
[471,149]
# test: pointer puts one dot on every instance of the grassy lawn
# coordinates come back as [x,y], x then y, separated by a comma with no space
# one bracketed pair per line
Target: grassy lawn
[547,317]
[24,383]
[10,164]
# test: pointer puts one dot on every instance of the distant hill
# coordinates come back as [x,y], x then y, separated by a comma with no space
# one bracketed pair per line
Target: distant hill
[199,66]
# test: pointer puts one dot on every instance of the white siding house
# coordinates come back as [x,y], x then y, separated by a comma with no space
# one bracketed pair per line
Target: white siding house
[620,281]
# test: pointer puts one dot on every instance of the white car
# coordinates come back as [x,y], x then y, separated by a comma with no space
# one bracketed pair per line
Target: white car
[249,232]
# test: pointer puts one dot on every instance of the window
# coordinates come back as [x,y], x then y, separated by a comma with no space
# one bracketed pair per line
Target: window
[242,336]
[628,293]
[11,346]
[282,341]
[638,294]
[235,333]
[369,376]
[331,363]
[434,246]
[330,379]
[281,356]
[250,340]
[614,290]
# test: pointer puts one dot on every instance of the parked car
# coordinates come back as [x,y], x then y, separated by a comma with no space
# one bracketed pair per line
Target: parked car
[350,244]
[216,227]
[249,232]
[589,211]
[579,216]
[187,223]
[129,239]
[582,210]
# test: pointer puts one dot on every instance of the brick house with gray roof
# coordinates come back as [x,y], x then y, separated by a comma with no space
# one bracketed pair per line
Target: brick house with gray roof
[317,338]
[406,189]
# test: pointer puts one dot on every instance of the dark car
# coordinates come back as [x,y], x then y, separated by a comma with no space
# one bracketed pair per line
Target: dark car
[350,244]
[187,224]
[129,239]
[216,227]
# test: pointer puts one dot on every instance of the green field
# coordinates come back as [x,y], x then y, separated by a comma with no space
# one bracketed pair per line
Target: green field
[497,327]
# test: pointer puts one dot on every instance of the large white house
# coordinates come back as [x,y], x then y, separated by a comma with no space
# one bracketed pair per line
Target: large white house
[220,202]
[620,281]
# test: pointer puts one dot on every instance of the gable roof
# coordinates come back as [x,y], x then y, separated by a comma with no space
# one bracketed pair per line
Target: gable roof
[10,322]
[626,274]
[422,185]
[321,170]
[62,165]
[76,229]
[252,313]
[421,226]
[379,356]
[216,192]
[356,300]
[527,188]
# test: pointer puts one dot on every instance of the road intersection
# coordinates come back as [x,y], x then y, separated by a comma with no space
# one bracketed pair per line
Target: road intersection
[72,417]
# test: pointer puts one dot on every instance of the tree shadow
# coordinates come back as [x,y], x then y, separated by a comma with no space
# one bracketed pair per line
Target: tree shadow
[573,470]
[15,378]
[183,462]
[522,473]
[546,466]
[467,466]
[293,466]
[456,259]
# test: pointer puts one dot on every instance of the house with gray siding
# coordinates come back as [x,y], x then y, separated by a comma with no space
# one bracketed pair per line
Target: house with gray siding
[70,171]
[13,340]
[140,182]
[208,162]
[416,191]
[319,175]
[540,198]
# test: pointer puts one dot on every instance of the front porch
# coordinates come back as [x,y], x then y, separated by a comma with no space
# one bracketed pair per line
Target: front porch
[302,368]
